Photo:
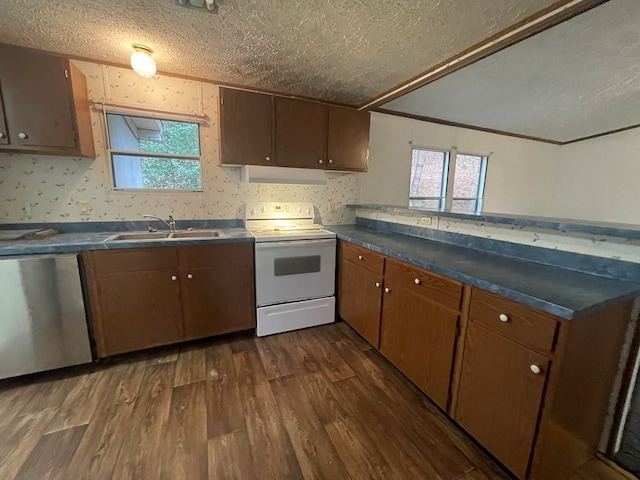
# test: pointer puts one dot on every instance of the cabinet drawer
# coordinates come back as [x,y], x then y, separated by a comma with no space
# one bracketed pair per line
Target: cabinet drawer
[435,287]
[514,320]
[134,259]
[364,257]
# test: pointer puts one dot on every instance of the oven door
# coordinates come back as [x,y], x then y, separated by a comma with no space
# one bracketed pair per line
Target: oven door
[294,270]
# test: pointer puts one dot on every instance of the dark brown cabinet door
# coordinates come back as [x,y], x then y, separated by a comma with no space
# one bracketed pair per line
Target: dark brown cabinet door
[360,300]
[218,293]
[348,140]
[499,395]
[134,295]
[301,133]
[37,95]
[418,337]
[246,127]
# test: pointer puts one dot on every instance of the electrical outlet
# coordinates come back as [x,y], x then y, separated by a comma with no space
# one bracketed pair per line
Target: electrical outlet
[85,207]
[27,210]
[425,220]
[332,206]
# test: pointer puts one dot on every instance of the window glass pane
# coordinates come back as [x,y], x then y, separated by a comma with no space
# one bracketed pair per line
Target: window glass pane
[467,176]
[465,206]
[428,204]
[426,173]
[149,172]
[141,134]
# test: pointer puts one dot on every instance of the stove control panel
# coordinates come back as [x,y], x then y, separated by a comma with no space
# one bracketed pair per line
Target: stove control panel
[278,210]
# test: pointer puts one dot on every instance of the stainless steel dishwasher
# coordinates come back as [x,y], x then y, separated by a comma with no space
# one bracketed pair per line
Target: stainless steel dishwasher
[42,317]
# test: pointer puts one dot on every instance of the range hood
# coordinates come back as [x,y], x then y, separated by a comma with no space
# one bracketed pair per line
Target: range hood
[282,175]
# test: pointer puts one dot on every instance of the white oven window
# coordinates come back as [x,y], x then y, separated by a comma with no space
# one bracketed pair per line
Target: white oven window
[296,265]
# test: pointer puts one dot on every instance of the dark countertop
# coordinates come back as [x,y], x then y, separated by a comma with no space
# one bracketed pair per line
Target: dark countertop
[78,242]
[565,293]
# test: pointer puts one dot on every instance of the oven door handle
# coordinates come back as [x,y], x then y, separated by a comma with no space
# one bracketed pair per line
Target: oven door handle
[326,242]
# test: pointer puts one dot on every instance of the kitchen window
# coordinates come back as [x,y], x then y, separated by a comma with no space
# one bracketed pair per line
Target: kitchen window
[153,153]
[447,179]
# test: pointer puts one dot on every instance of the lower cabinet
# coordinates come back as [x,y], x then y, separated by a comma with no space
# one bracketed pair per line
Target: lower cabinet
[360,291]
[146,297]
[530,387]
[408,314]
[418,336]
[500,394]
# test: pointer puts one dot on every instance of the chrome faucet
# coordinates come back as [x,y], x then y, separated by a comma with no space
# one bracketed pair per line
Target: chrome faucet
[171,223]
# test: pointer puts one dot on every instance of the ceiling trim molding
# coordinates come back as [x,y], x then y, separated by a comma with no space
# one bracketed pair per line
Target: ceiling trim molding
[449,123]
[464,125]
[549,17]
[596,135]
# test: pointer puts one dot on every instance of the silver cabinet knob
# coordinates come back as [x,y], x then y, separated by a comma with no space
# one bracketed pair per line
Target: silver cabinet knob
[377,284]
[22,135]
[1,135]
[268,159]
[387,290]
[416,281]
[360,257]
[535,369]
[320,161]
[174,278]
[190,276]
[503,317]
[330,161]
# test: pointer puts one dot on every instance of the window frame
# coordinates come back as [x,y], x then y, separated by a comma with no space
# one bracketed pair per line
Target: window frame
[154,116]
[449,173]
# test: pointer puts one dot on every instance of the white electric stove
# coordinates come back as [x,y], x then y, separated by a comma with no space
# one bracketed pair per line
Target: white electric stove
[295,267]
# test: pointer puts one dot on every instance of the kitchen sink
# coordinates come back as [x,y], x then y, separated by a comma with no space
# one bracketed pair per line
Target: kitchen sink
[127,237]
[197,234]
[147,236]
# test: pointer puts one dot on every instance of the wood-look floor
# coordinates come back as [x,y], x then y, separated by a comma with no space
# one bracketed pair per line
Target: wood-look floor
[316,403]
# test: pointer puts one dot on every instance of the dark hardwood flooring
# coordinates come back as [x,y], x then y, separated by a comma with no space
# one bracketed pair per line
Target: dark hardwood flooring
[316,403]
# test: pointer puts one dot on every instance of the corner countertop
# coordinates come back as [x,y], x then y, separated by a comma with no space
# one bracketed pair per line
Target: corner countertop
[565,293]
[78,242]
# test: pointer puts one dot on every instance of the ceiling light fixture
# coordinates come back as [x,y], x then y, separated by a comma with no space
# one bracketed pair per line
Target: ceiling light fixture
[210,6]
[142,62]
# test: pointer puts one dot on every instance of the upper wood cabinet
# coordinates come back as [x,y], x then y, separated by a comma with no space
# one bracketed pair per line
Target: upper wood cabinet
[246,127]
[46,109]
[301,133]
[145,297]
[260,129]
[348,139]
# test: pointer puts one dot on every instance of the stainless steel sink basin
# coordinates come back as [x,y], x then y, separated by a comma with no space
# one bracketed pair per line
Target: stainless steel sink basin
[122,237]
[147,236]
[196,234]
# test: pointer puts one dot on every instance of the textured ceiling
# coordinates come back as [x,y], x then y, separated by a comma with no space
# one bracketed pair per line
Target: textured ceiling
[577,79]
[345,51]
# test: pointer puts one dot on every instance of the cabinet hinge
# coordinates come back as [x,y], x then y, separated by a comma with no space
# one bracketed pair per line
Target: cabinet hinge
[458,329]
[66,73]
[221,100]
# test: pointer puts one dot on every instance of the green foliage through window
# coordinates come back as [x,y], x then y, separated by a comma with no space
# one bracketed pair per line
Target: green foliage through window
[133,142]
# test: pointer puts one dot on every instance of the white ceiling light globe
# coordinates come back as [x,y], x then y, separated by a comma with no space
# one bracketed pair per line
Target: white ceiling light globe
[142,62]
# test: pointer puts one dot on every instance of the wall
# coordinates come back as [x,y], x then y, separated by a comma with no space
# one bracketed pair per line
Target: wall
[43,188]
[519,176]
[590,180]
[597,179]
